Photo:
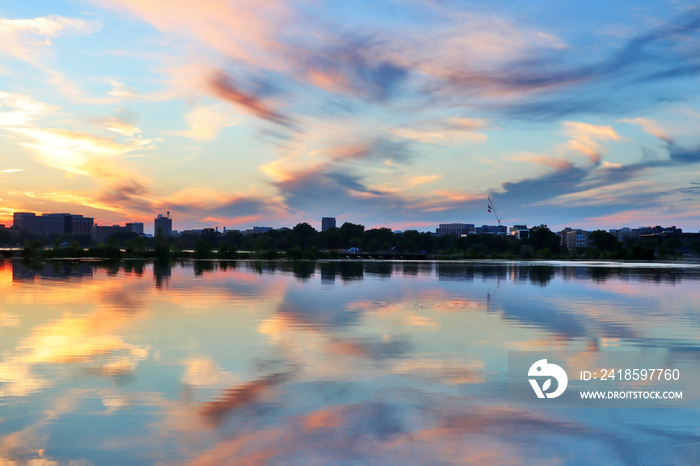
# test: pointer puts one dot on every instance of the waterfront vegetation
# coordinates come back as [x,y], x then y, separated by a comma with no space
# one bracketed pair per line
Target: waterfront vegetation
[305,242]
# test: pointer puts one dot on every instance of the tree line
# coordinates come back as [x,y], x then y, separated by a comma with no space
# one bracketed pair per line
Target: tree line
[305,242]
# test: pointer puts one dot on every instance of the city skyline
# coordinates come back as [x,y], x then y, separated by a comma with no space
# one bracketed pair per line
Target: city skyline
[54,224]
[397,114]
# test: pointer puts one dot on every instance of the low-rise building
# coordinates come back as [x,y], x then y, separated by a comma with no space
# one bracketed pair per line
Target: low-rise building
[100,233]
[520,231]
[577,239]
[52,224]
[459,229]
[490,230]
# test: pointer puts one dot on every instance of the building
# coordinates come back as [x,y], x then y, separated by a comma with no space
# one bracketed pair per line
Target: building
[490,230]
[574,238]
[163,225]
[327,223]
[520,231]
[52,224]
[100,233]
[135,227]
[459,229]
[623,233]
[79,225]
[626,233]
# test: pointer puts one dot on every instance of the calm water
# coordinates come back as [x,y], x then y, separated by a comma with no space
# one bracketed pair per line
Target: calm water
[329,363]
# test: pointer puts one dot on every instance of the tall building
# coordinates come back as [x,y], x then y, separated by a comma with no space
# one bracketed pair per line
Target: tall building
[162,225]
[52,224]
[327,223]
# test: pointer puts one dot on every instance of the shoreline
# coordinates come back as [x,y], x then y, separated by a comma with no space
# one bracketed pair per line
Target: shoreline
[607,263]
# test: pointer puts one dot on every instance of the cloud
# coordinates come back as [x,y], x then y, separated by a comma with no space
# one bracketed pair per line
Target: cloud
[343,190]
[561,181]
[122,91]
[127,196]
[225,88]
[204,205]
[350,64]
[418,180]
[16,35]
[450,131]
[379,149]
[678,155]
[120,126]
[649,126]
[80,153]
[585,136]
[458,58]
[238,397]
[244,30]
[205,121]
[19,110]
[539,81]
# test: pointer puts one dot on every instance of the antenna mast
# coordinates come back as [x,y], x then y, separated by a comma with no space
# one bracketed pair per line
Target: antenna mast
[493,209]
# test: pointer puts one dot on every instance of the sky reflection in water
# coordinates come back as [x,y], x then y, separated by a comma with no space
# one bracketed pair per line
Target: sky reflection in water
[338,362]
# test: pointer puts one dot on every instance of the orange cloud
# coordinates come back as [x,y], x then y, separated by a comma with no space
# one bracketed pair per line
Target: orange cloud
[417,180]
[651,127]
[449,131]
[243,29]
[554,162]
[80,153]
[585,137]
[225,88]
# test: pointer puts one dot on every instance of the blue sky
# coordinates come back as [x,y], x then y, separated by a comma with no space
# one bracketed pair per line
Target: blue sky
[399,114]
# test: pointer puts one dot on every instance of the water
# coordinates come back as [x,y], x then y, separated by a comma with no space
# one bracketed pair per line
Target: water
[330,363]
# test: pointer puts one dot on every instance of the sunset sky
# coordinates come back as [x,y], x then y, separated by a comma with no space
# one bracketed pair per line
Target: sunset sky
[386,113]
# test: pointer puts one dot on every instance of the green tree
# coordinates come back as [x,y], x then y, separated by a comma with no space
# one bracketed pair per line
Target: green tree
[227,251]
[5,236]
[112,250]
[379,239]
[140,244]
[542,238]
[202,249]
[211,236]
[32,249]
[355,242]
[161,246]
[303,235]
[330,239]
[603,241]
[349,231]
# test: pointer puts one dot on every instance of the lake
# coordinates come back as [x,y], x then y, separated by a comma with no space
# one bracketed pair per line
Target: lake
[335,362]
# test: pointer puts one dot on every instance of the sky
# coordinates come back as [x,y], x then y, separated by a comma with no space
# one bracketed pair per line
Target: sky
[402,114]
